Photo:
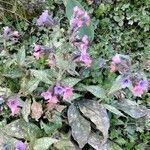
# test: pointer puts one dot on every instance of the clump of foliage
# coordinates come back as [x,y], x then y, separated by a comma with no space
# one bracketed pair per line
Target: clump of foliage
[63,87]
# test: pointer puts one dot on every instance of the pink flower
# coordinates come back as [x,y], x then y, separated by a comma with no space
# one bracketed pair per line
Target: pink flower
[49,97]
[14,104]
[85,58]
[87,19]
[37,51]
[113,67]
[116,59]
[85,39]
[15,34]
[68,92]
[137,91]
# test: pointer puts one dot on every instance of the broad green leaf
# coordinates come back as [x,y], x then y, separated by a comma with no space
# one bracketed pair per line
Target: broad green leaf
[41,76]
[26,109]
[64,145]
[44,143]
[5,92]
[134,110]
[80,127]
[96,91]
[31,85]
[21,56]
[71,81]
[97,114]
[113,110]
[89,31]
[22,130]
[116,86]
[100,10]
[73,97]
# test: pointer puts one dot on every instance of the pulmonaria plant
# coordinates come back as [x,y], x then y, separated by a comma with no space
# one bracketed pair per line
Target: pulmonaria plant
[20,145]
[136,82]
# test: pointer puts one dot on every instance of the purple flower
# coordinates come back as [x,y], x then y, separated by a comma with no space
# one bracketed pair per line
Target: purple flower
[47,95]
[143,84]
[125,83]
[58,89]
[14,104]
[20,145]
[68,92]
[7,30]
[43,18]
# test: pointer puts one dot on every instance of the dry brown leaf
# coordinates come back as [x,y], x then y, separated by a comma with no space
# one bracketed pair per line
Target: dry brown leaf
[89,2]
[36,109]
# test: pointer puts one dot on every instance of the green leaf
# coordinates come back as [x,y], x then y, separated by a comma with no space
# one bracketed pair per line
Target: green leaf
[41,76]
[5,92]
[44,143]
[26,109]
[71,81]
[100,10]
[64,145]
[132,109]
[22,130]
[89,31]
[21,56]
[80,127]
[113,110]
[31,85]
[97,114]
[73,97]
[96,91]
[116,85]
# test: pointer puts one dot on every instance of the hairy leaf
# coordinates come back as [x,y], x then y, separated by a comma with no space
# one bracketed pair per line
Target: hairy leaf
[132,109]
[26,110]
[71,81]
[97,114]
[44,143]
[80,127]
[21,56]
[96,91]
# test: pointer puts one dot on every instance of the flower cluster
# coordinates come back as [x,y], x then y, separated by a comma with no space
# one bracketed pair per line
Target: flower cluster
[51,95]
[79,19]
[14,105]
[46,20]
[136,82]
[9,34]
[120,63]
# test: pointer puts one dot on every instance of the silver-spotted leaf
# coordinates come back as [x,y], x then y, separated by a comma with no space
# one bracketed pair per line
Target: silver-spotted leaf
[64,144]
[132,109]
[44,143]
[96,91]
[97,114]
[71,81]
[22,130]
[80,127]
[26,109]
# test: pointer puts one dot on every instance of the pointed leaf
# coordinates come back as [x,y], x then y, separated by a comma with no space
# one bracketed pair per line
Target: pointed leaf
[26,110]
[41,76]
[96,91]
[44,143]
[134,110]
[21,56]
[97,114]
[113,110]
[71,81]
[80,127]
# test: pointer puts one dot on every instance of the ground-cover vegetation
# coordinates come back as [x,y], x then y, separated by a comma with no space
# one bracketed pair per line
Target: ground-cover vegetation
[74,75]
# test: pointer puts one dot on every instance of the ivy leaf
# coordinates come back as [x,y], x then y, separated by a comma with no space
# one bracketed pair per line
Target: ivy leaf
[96,91]
[44,143]
[113,110]
[22,130]
[97,114]
[21,56]
[132,109]
[26,110]
[87,30]
[64,144]
[36,109]
[71,81]
[41,76]
[80,127]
